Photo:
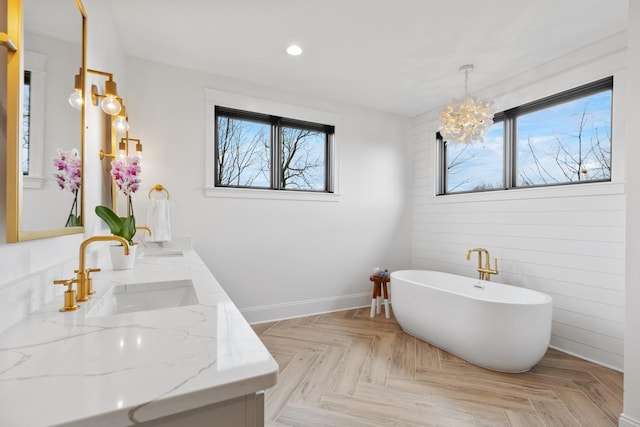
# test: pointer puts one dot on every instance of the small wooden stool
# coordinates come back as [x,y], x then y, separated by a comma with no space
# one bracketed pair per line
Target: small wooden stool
[379,283]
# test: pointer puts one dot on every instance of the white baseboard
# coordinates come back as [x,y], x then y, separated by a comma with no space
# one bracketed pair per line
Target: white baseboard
[626,421]
[270,313]
[588,359]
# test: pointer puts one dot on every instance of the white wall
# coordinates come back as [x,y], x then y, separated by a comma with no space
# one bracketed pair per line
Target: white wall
[565,241]
[276,258]
[631,410]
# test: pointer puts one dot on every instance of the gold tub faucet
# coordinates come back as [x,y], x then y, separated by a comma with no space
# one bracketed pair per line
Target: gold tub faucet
[484,273]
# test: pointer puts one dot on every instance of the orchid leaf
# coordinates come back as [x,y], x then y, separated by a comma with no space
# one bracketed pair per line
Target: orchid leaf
[124,227]
[114,222]
[128,228]
[73,221]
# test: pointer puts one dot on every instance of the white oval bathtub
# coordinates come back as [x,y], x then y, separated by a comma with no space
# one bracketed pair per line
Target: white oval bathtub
[489,324]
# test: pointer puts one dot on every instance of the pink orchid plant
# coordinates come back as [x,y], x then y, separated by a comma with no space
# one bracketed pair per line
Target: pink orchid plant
[126,175]
[68,175]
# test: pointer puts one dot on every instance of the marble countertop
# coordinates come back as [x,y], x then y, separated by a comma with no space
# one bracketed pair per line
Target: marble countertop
[74,370]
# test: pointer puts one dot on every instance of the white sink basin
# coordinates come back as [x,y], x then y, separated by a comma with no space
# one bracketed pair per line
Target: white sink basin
[155,252]
[145,296]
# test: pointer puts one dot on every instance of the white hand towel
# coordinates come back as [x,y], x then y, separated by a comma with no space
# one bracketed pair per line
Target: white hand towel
[159,220]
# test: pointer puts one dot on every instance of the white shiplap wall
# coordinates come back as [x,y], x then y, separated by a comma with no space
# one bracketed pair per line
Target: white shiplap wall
[568,241]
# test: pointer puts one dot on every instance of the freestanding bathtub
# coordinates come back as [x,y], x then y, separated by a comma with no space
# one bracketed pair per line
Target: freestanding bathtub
[492,325]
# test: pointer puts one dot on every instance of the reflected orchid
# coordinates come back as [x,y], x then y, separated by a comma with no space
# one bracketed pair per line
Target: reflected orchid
[68,166]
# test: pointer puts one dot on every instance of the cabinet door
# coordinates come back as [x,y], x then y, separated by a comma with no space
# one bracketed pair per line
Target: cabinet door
[243,411]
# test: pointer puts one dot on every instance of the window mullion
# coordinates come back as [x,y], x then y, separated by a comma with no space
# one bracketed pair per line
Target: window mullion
[509,151]
[276,154]
[328,163]
[441,152]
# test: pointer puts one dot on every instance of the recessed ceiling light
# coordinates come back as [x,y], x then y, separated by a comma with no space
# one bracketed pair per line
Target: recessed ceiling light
[294,50]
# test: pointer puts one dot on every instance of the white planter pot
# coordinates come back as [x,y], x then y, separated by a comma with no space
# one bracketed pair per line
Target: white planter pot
[119,260]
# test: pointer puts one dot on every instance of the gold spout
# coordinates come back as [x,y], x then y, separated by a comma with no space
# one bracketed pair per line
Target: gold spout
[143,227]
[83,247]
[82,277]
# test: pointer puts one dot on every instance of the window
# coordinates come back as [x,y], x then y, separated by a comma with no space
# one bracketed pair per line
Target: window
[562,139]
[467,169]
[26,121]
[262,151]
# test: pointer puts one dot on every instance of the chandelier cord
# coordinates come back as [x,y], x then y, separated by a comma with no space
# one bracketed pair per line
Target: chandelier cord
[466,79]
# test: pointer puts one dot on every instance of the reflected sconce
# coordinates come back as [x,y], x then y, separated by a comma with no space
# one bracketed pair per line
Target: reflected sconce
[468,119]
[109,101]
[123,149]
[76,99]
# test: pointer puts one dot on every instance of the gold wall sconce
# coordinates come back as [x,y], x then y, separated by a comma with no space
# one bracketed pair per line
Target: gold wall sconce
[123,149]
[110,102]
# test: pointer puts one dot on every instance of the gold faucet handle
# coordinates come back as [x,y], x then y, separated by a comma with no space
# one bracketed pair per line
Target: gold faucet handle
[69,294]
[68,283]
[89,279]
[88,271]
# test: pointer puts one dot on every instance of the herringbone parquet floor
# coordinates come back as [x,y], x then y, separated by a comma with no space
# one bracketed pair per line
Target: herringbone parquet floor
[345,369]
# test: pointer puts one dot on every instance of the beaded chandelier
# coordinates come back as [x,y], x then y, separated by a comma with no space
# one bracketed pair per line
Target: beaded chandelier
[466,120]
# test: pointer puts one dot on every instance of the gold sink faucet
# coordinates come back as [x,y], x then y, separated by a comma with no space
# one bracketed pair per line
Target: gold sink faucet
[143,227]
[83,278]
[484,273]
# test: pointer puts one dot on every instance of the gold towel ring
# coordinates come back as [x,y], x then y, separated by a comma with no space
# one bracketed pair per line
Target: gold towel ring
[158,187]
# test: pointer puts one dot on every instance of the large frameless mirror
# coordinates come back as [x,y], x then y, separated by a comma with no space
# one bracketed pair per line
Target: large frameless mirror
[45,133]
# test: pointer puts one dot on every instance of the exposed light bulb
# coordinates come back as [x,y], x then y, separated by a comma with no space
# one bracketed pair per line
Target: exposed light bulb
[110,105]
[139,150]
[122,150]
[294,50]
[76,100]
[120,124]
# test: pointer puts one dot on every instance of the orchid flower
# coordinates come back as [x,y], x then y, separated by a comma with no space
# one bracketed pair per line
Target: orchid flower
[69,176]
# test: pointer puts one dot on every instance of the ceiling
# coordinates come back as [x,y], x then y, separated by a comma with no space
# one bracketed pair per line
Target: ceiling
[399,56]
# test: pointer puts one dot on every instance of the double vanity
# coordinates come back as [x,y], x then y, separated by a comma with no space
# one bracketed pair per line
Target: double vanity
[159,345]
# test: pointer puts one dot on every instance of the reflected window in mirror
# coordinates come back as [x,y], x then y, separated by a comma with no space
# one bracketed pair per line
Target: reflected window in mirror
[35,170]
[26,121]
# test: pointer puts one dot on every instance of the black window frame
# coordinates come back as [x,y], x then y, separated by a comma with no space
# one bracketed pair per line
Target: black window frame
[276,124]
[510,138]
[25,145]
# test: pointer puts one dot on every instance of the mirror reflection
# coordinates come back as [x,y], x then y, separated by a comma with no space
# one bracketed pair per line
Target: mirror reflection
[51,143]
